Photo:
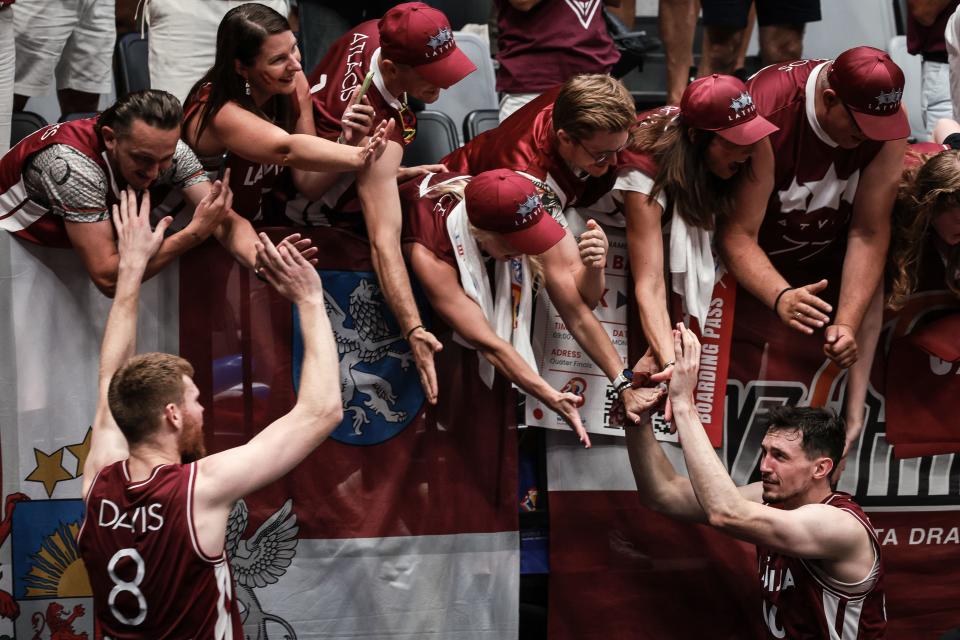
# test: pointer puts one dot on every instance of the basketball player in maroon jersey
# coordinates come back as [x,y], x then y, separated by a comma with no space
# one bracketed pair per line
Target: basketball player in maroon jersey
[820,568]
[409,52]
[156,509]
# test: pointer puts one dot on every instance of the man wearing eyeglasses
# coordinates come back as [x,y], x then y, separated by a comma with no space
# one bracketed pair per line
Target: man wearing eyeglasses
[410,51]
[809,234]
[564,141]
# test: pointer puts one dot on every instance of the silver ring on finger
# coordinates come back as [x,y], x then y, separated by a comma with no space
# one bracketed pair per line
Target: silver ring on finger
[797,315]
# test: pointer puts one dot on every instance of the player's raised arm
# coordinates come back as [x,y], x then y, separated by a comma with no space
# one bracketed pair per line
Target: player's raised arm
[136,244]
[229,475]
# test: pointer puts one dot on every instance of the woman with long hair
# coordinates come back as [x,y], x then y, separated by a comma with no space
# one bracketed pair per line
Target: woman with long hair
[682,168]
[452,224]
[925,250]
[253,107]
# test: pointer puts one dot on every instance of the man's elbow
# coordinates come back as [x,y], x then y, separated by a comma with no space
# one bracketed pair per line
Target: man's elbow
[722,519]
[320,416]
[332,415]
[105,281]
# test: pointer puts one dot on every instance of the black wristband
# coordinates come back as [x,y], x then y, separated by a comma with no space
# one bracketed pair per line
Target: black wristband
[410,333]
[776,302]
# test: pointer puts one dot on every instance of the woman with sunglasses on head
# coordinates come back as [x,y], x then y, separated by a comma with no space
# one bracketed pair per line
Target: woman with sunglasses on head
[453,224]
[252,112]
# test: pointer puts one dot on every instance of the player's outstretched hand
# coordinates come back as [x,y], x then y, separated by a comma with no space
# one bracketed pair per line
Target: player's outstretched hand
[638,400]
[288,271]
[424,345]
[566,405]
[593,245]
[802,309]
[136,242]
[683,380]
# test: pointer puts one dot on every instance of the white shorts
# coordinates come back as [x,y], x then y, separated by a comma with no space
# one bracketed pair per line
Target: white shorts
[183,39]
[72,39]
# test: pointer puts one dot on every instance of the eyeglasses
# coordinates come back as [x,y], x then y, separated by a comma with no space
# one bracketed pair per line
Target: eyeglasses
[602,156]
[852,119]
[409,120]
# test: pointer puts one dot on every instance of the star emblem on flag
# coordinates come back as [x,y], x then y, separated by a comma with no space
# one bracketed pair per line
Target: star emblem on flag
[49,470]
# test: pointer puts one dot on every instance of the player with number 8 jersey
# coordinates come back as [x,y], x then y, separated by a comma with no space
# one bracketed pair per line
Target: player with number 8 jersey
[156,506]
[159,584]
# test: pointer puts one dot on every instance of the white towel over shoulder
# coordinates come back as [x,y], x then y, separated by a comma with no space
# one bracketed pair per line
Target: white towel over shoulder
[692,268]
[511,323]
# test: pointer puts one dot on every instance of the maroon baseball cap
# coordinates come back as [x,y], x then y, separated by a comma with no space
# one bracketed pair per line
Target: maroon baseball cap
[722,104]
[420,36]
[505,202]
[870,84]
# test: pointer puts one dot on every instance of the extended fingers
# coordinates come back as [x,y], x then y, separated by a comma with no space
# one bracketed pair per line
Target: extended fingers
[269,254]
[144,212]
[805,297]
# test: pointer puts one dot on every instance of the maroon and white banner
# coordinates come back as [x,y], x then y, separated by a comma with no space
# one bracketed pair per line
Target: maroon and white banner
[404,523]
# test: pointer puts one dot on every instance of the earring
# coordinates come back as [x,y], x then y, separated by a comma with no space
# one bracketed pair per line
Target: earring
[246,87]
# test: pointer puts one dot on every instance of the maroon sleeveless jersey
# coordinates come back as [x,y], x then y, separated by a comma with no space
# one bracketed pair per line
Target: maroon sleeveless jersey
[800,602]
[815,181]
[149,577]
[250,181]
[32,220]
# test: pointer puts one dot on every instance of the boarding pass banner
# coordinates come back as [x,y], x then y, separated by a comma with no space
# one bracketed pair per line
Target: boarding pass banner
[566,366]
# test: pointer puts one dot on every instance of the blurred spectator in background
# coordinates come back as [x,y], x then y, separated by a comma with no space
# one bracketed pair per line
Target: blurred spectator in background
[322,22]
[8,54]
[926,24]
[782,23]
[625,10]
[70,41]
[183,39]
[126,16]
[544,43]
[677,20]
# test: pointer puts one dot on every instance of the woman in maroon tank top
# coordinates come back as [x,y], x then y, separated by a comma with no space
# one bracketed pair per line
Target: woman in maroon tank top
[254,106]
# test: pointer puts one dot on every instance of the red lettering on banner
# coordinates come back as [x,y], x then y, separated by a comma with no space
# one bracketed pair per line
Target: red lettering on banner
[603,299]
[715,336]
